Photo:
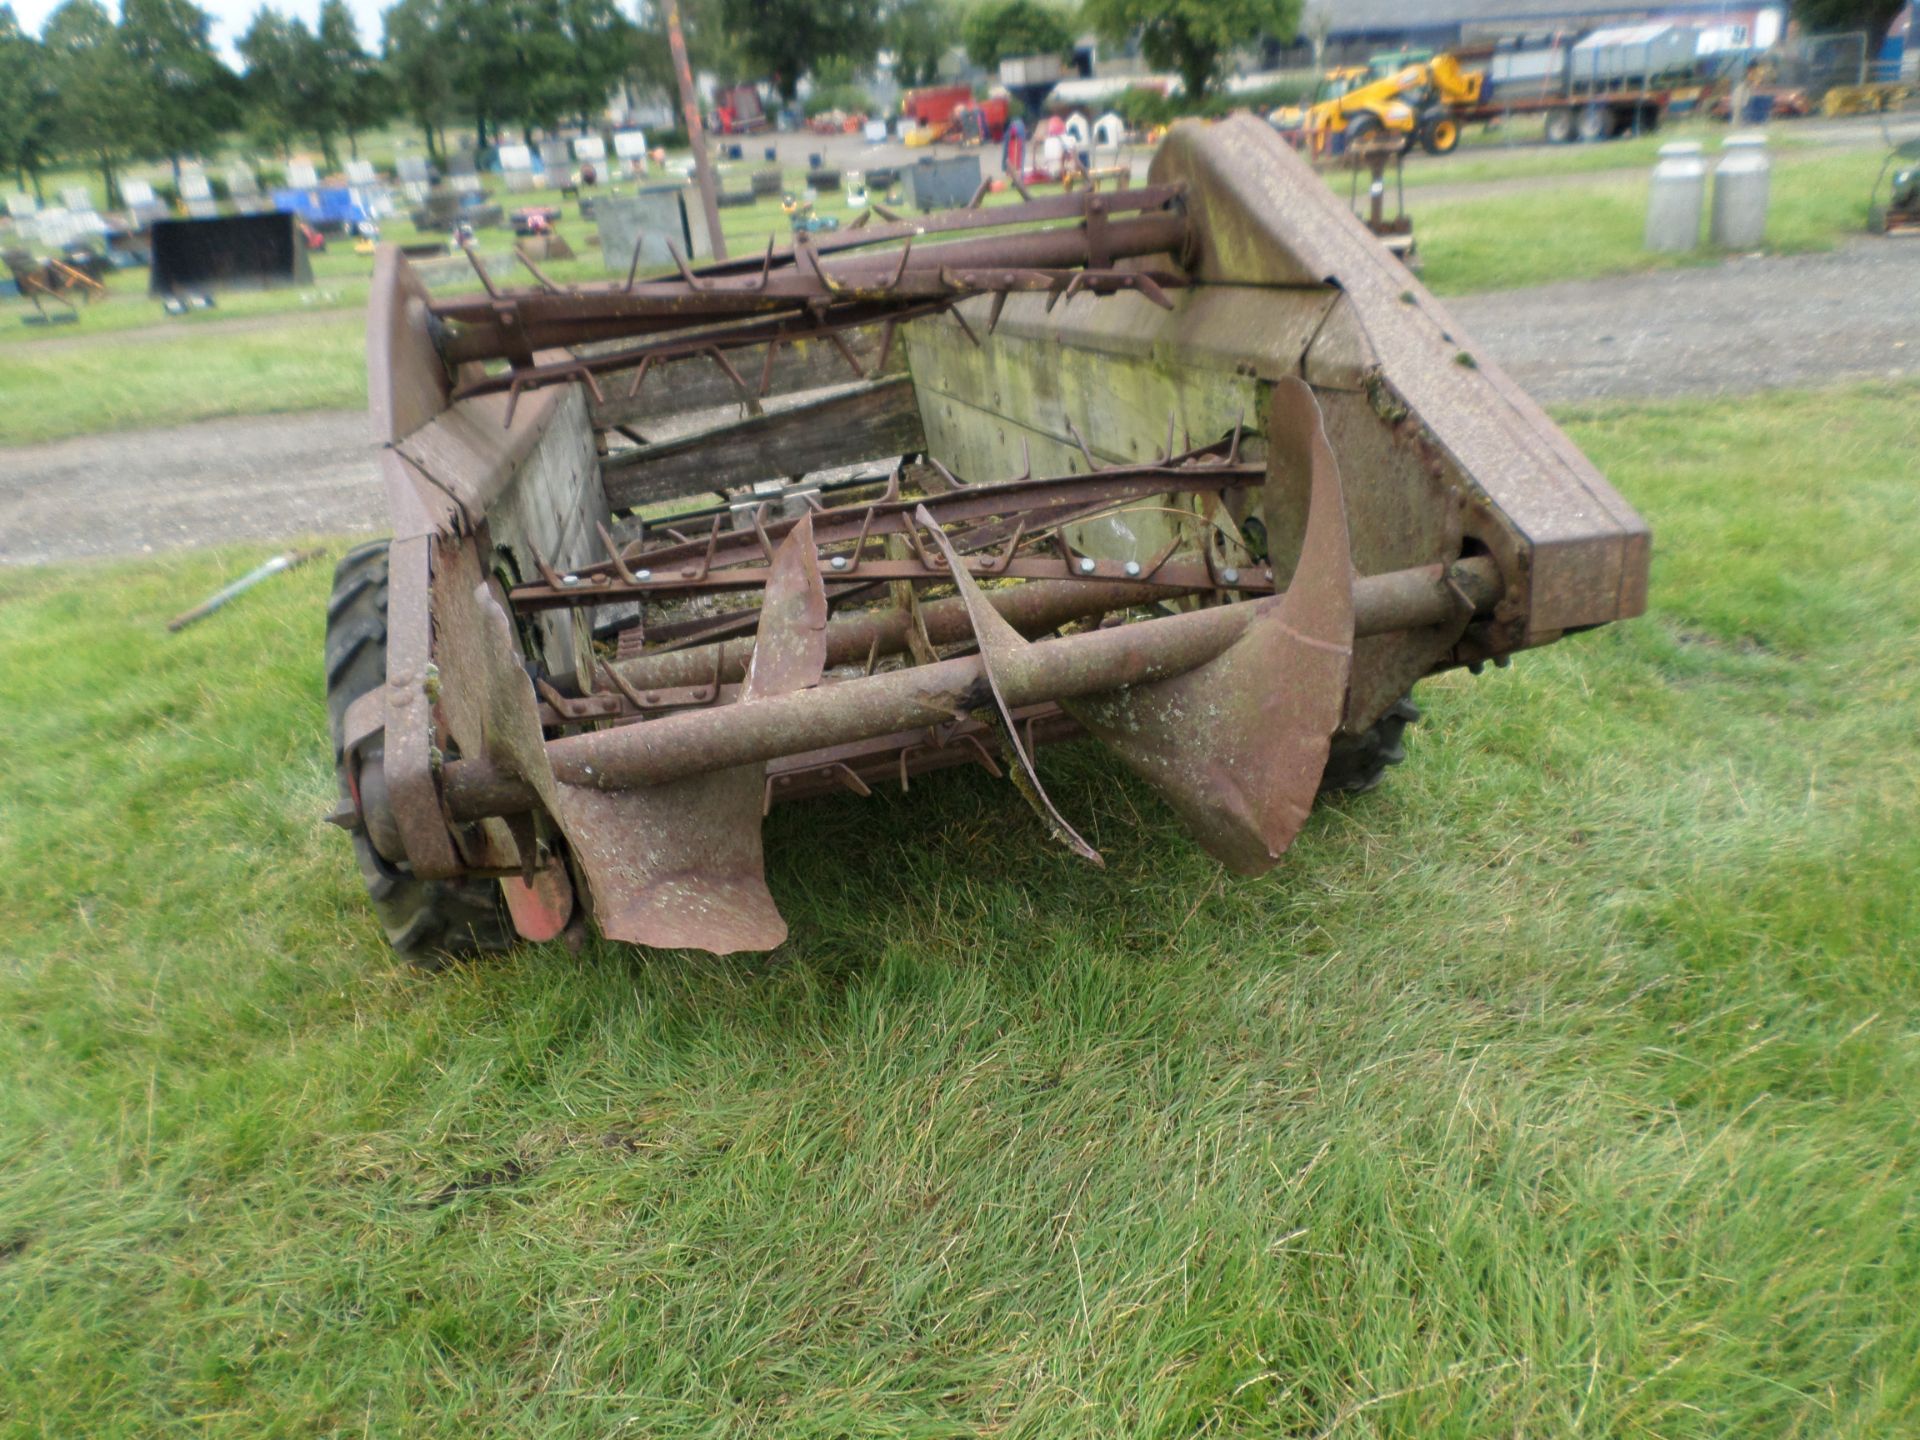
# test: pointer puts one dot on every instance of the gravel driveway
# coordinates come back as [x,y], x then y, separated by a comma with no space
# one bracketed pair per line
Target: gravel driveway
[1745,325]
[1758,324]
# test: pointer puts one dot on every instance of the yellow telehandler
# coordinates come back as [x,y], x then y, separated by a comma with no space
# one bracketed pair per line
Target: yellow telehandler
[1415,102]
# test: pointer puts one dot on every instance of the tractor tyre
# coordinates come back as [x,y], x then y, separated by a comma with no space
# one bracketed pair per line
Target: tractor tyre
[1440,134]
[1357,763]
[1559,127]
[430,922]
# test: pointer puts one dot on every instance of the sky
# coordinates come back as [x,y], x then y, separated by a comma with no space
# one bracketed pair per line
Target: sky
[230,18]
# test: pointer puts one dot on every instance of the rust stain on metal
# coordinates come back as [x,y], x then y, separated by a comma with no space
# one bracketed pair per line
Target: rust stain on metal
[1237,745]
[609,656]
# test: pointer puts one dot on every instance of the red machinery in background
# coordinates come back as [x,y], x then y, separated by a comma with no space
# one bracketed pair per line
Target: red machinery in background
[737,110]
[944,110]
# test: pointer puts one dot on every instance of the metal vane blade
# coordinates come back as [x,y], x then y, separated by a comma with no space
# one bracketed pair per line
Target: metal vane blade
[692,876]
[1238,746]
[1000,646]
[676,865]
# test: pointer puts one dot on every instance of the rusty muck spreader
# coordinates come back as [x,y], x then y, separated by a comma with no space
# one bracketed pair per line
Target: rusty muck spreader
[1193,468]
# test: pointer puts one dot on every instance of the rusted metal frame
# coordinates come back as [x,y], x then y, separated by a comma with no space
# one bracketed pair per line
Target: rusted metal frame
[410,746]
[998,522]
[783,329]
[539,321]
[625,700]
[1072,503]
[895,759]
[949,222]
[680,635]
[842,524]
[825,316]
[1191,575]
[1066,668]
[679,526]
[1033,609]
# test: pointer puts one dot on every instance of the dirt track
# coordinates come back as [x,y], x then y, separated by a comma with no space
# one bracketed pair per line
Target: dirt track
[1746,325]
[1759,324]
[259,477]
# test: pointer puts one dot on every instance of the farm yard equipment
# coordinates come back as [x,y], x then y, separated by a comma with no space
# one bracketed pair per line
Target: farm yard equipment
[1610,82]
[1193,469]
[1353,106]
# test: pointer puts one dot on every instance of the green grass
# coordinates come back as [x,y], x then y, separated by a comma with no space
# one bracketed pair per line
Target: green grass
[1512,152]
[340,283]
[341,277]
[312,362]
[1587,228]
[1595,226]
[1565,1086]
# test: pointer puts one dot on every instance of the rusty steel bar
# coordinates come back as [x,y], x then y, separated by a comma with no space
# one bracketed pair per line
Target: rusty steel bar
[897,758]
[693,743]
[1057,498]
[1032,609]
[498,327]
[781,329]
[1031,211]
[1179,574]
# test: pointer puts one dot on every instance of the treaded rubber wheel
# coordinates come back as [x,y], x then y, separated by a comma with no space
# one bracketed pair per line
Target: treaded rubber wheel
[1440,135]
[431,922]
[1559,127]
[1595,124]
[1357,763]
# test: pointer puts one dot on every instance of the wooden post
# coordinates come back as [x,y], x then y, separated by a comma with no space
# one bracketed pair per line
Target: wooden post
[696,137]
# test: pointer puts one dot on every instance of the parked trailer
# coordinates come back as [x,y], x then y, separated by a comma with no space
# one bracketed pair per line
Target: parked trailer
[1614,81]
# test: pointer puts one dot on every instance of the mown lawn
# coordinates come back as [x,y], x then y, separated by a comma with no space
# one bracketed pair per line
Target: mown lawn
[301,349]
[1515,151]
[1566,1085]
[126,364]
[1595,225]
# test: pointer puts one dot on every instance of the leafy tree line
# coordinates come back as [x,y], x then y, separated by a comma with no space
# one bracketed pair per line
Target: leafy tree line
[1190,37]
[95,90]
[99,92]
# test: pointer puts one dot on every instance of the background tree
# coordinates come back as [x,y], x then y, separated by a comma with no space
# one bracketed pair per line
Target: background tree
[99,108]
[600,41]
[784,39]
[28,104]
[502,55]
[1821,17]
[1193,37]
[919,33]
[1000,29]
[349,84]
[416,68]
[283,81]
[185,90]
[528,75]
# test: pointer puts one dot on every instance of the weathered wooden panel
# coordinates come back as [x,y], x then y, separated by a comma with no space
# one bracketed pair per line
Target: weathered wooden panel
[681,386]
[875,420]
